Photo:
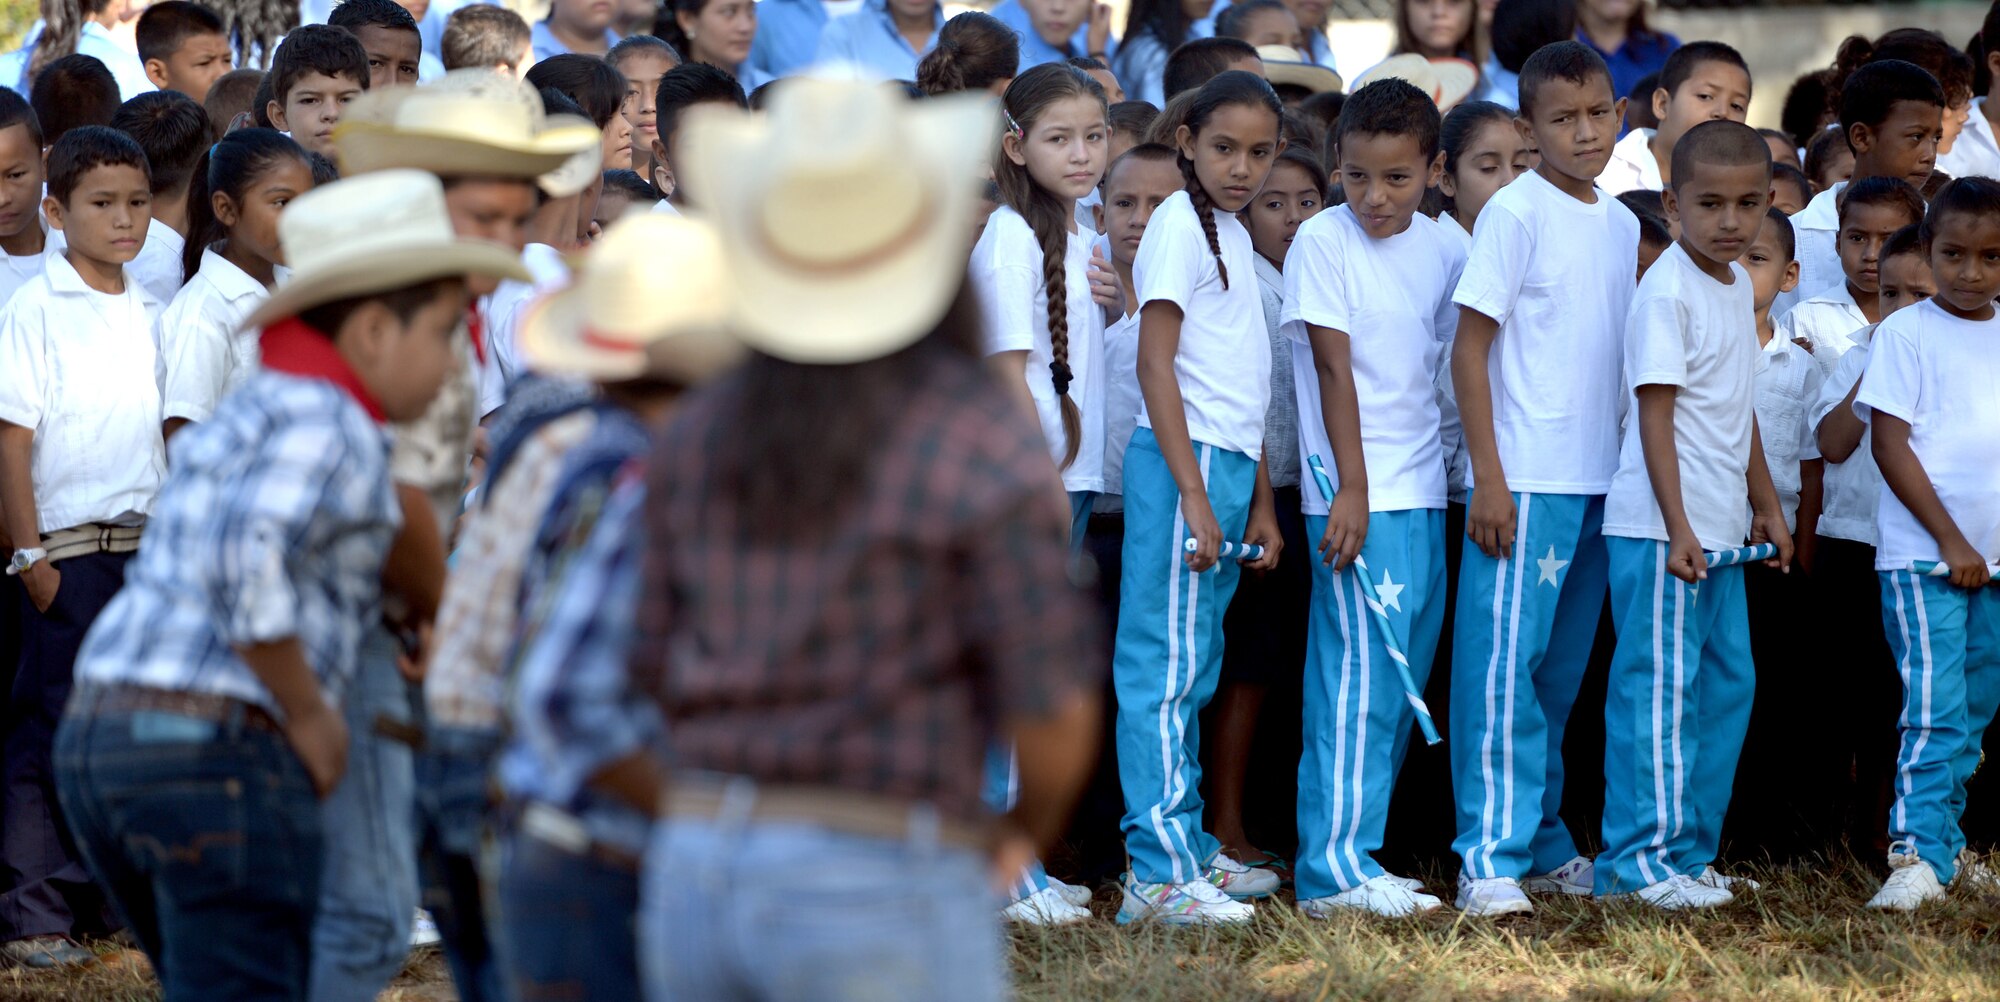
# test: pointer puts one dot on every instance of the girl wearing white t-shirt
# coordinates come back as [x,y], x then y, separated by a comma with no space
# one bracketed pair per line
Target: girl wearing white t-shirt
[1192,471]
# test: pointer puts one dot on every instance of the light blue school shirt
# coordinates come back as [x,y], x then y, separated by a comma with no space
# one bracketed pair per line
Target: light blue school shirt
[431,26]
[788,33]
[868,38]
[548,46]
[1499,85]
[1034,51]
[93,41]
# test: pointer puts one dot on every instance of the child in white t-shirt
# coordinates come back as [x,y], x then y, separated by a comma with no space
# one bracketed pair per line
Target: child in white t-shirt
[1700,82]
[1136,184]
[1824,322]
[23,241]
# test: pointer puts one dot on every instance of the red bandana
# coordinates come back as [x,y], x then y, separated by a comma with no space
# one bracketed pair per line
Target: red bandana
[292,347]
[475,327]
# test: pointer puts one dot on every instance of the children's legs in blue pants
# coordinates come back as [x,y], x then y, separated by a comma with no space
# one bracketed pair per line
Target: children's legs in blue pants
[1357,713]
[1169,655]
[1947,646]
[1000,788]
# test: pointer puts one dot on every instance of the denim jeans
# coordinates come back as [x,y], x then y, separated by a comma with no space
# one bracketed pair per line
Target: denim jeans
[739,909]
[208,839]
[452,806]
[567,921]
[368,893]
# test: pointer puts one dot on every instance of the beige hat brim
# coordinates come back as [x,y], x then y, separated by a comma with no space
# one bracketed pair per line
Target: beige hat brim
[397,269]
[552,340]
[1311,76]
[370,146]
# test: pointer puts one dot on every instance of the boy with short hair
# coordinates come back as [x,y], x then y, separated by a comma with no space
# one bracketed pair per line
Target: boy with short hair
[233,94]
[73,91]
[318,71]
[1691,476]
[184,47]
[173,130]
[1790,190]
[1701,82]
[208,701]
[1788,386]
[388,34]
[1654,239]
[1136,183]
[1536,367]
[487,36]
[685,86]
[1203,59]
[81,458]
[1825,320]
[23,241]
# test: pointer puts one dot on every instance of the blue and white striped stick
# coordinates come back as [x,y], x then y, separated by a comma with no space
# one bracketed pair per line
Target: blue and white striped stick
[1241,551]
[1390,642]
[1940,569]
[1740,555]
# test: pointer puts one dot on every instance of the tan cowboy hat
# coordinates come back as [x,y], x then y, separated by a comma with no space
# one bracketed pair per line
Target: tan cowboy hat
[650,299]
[470,121]
[845,211]
[1447,81]
[1286,65]
[372,233]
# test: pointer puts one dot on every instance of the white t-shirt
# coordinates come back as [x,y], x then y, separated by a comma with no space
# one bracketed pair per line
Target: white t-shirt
[1224,362]
[82,372]
[1815,230]
[206,352]
[1853,489]
[1942,375]
[158,266]
[1975,153]
[502,312]
[1557,274]
[1632,166]
[1006,270]
[1392,297]
[18,271]
[1451,429]
[1788,385]
[1826,320]
[1690,331]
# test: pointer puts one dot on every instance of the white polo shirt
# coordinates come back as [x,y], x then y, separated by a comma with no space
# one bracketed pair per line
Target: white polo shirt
[1827,321]
[1688,330]
[203,347]
[17,271]
[82,372]
[1815,230]
[158,266]
[1557,275]
[1788,385]
[1940,374]
[1851,490]
[1632,166]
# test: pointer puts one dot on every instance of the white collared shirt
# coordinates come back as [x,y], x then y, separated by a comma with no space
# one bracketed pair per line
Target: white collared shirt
[158,266]
[1121,391]
[82,372]
[1816,229]
[1788,385]
[203,347]
[1976,153]
[1633,166]
[1827,320]
[1851,490]
[502,312]
[18,271]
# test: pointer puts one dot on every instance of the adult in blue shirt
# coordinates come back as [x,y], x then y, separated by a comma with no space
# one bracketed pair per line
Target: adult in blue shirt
[887,37]
[92,38]
[1617,30]
[1078,27]
[788,33]
[579,26]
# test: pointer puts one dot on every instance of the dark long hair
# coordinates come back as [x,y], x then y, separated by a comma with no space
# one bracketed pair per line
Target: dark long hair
[1165,20]
[230,166]
[973,52]
[1232,88]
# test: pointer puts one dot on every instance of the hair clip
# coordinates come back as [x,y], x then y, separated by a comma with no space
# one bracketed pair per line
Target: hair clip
[1013,128]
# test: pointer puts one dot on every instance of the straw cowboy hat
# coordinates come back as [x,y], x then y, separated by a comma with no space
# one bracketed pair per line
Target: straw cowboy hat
[845,212]
[1447,81]
[1283,65]
[374,233]
[471,121]
[650,299]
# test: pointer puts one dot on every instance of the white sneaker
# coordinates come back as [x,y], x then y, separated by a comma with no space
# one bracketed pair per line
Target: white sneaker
[1238,881]
[1911,881]
[1385,896]
[1712,877]
[423,930]
[1045,907]
[1407,883]
[1487,897]
[1576,878]
[1679,892]
[1078,896]
[1196,902]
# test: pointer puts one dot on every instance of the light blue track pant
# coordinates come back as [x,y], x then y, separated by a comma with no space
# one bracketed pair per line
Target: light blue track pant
[1169,655]
[1681,687]
[1358,717]
[1519,649]
[1947,646]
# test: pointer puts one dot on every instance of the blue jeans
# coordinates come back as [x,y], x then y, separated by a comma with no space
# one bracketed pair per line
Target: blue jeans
[368,893]
[568,922]
[735,909]
[207,837]
[452,806]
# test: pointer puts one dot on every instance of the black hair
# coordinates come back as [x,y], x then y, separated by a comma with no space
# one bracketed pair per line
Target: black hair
[1229,89]
[404,303]
[1645,203]
[15,110]
[1523,27]
[1457,130]
[167,25]
[86,148]
[325,171]
[1806,106]
[230,167]
[1151,152]
[634,45]
[1134,117]
[1780,136]
[1165,20]
[1893,192]
[1653,232]
[973,52]
[1390,106]
[352,14]
[1171,118]
[690,84]
[1229,23]
[1639,103]
[1298,130]
[555,102]
[1305,160]
[760,98]
[483,36]
[1981,44]
[1569,61]
[317,48]
[1784,173]
[1823,148]
[1688,58]
[260,103]
[1324,108]
[1781,225]
[1908,240]
[231,95]
[631,184]
[1196,63]
[1919,47]
[1719,142]
[72,92]
[1934,184]
[667,23]
[171,128]
[1873,91]
[1973,196]
[62,25]
[1088,63]
[589,81]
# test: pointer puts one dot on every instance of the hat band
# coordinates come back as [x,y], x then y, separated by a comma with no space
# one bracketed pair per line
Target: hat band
[860,261]
[591,338]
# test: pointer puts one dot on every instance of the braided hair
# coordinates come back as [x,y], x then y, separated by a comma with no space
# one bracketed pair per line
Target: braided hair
[1049,217]
[62,25]
[1235,87]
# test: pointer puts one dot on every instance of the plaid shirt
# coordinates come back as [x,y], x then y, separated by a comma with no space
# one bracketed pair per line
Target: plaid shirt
[274,522]
[882,654]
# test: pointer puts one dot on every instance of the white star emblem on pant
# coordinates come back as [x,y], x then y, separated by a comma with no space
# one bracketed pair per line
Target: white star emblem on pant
[1390,592]
[1550,568]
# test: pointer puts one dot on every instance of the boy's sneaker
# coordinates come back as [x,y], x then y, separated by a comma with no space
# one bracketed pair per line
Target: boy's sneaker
[1196,902]
[1712,877]
[1045,907]
[1238,881]
[1576,878]
[1407,883]
[1911,881]
[1974,875]
[1487,897]
[1078,896]
[1679,892]
[44,953]
[423,930]
[1384,896]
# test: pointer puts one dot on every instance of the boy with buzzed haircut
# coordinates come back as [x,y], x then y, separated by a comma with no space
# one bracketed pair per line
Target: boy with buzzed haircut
[73,91]
[318,71]
[1536,366]
[388,34]
[487,37]
[81,457]
[184,47]
[1691,475]
[683,87]
[233,94]
[1701,82]
[23,241]
[173,130]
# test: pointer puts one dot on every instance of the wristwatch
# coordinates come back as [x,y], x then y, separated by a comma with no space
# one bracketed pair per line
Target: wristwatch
[25,559]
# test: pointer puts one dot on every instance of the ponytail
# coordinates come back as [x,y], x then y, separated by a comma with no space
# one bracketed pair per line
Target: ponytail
[230,167]
[973,52]
[202,226]
[62,25]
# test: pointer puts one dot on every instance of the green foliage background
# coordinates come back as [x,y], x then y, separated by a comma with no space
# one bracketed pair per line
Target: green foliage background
[16,16]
